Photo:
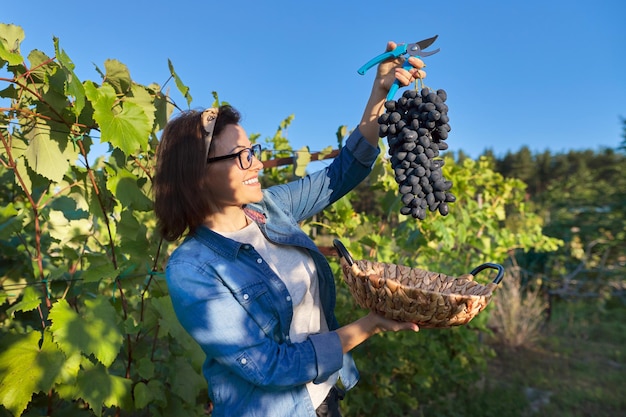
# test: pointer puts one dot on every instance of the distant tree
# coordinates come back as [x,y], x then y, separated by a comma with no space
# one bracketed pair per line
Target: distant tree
[543,173]
[459,156]
[490,155]
[622,146]
[518,165]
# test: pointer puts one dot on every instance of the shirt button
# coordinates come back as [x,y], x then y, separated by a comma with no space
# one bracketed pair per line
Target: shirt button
[288,298]
[246,296]
[243,361]
[246,246]
[259,261]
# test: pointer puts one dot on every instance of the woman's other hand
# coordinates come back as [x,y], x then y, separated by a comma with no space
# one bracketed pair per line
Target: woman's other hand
[355,333]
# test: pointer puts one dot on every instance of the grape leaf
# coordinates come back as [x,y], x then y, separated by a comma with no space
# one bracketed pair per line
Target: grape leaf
[19,145]
[140,96]
[179,83]
[73,86]
[302,160]
[145,368]
[126,188]
[26,369]
[44,155]
[94,332]
[11,36]
[10,92]
[160,393]
[41,67]
[10,221]
[125,125]
[169,324]
[129,227]
[325,152]
[186,381]
[68,206]
[341,133]
[143,395]
[64,230]
[99,267]
[31,299]
[97,387]
[118,75]
[163,109]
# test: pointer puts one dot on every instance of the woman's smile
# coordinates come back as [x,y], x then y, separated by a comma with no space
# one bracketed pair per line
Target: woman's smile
[252,181]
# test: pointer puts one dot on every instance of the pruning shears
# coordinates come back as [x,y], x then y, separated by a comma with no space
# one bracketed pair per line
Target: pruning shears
[411,49]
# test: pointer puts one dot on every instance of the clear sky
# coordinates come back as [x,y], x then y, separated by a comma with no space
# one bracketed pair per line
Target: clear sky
[548,74]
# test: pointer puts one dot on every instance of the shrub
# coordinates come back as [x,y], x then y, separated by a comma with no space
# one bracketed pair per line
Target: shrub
[518,310]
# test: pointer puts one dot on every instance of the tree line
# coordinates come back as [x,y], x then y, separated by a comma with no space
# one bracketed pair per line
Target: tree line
[581,196]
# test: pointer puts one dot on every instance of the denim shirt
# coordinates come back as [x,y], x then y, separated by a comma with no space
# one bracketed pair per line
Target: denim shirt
[239,311]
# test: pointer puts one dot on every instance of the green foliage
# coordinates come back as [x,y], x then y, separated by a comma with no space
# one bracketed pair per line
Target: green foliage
[96,332]
[47,364]
[87,323]
[280,148]
[580,195]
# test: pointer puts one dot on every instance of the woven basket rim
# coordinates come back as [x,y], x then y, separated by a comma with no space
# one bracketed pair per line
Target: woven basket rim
[363,276]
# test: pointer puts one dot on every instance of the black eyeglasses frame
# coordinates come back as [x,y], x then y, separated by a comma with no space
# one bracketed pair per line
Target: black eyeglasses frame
[255,152]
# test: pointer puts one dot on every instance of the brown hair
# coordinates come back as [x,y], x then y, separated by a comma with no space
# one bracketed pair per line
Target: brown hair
[181,197]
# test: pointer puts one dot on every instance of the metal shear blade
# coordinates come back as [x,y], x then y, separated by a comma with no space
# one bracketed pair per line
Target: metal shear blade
[417,48]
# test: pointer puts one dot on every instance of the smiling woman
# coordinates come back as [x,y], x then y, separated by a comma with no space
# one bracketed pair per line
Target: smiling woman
[247,283]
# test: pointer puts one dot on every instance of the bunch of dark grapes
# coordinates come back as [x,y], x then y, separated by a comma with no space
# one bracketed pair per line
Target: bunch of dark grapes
[416,127]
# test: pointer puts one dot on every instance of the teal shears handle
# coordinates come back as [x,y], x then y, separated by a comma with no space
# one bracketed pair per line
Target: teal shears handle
[412,49]
[399,50]
[396,83]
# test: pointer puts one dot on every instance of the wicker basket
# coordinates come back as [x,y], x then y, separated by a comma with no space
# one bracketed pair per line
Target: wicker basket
[429,299]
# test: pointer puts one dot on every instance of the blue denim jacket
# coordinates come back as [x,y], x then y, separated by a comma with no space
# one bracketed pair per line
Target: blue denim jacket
[239,311]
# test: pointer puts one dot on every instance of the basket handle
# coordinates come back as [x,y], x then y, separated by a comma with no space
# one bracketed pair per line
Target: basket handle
[500,269]
[343,252]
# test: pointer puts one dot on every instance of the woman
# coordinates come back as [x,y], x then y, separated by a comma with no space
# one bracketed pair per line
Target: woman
[247,283]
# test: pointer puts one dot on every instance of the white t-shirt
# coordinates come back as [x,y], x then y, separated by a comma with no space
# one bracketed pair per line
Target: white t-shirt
[297,270]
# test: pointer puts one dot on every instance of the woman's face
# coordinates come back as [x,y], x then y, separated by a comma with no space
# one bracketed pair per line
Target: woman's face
[229,184]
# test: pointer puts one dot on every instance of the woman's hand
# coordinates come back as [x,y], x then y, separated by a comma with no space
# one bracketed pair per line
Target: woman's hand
[355,333]
[391,70]
[386,74]
[383,324]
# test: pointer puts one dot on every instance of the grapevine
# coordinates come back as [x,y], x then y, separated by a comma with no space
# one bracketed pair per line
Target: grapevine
[416,126]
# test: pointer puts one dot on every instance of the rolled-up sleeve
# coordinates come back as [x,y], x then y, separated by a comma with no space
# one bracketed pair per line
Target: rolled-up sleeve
[328,352]
[361,149]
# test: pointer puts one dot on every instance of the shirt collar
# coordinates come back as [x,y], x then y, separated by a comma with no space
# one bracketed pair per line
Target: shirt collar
[223,245]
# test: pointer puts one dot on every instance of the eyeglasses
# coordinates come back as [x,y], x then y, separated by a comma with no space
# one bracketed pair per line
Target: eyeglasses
[245,156]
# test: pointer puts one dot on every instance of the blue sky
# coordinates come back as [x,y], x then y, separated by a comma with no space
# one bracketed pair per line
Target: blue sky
[547,74]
